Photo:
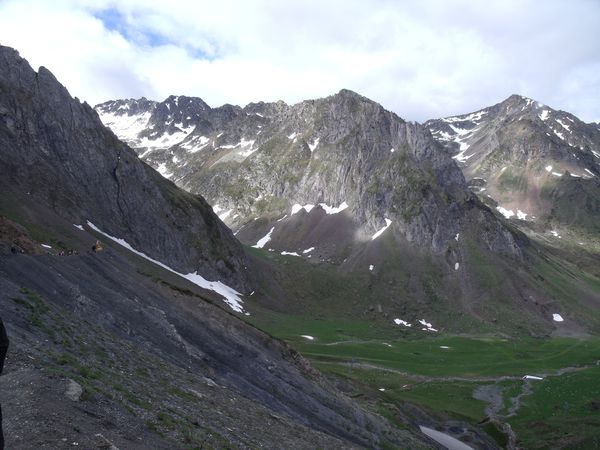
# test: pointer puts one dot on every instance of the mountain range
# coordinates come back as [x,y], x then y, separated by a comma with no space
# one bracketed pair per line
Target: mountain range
[151,252]
[342,181]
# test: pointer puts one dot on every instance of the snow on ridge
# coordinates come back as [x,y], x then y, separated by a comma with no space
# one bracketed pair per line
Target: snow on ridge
[388,222]
[231,296]
[125,126]
[557,318]
[473,117]
[297,207]
[263,240]
[333,210]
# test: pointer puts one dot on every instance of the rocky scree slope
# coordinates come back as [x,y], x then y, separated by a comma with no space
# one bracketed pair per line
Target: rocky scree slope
[341,154]
[107,348]
[531,162]
[57,150]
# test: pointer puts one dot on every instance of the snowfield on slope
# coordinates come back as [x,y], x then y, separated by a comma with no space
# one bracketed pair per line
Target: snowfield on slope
[232,297]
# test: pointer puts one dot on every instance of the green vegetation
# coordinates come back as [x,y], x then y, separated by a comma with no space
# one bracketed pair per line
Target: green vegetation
[395,368]
[511,180]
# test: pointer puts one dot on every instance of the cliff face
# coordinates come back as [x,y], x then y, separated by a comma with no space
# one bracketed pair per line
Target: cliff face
[57,150]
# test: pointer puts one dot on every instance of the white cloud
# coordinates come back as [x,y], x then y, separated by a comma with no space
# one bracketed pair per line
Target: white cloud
[421,59]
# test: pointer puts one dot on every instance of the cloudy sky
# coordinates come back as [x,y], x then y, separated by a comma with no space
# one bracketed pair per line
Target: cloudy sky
[422,59]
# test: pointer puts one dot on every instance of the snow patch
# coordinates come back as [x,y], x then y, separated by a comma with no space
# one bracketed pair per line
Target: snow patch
[521,215]
[306,336]
[590,172]
[371,267]
[314,145]
[297,207]
[333,210]
[231,296]
[402,322]
[388,222]
[46,246]
[428,325]
[507,213]
[444,346]
[548,168]
[544,114]
[392,150]
[456,237]
[263,240]
[456,266]
[290,253]
[225,215]
[532,377]
[564,125]
[308,250]
[79,226]
[555,234]
[557,318]
[162,169]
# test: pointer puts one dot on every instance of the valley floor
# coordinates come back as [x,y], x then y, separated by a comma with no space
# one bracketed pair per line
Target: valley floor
[527,392]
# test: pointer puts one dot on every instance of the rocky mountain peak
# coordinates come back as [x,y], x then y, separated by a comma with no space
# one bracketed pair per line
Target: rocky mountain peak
[516,152]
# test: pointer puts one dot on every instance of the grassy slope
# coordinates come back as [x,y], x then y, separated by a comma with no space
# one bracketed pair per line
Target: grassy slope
[365,349]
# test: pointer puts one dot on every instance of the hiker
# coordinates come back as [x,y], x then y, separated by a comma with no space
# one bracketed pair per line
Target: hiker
[97,247]
[3,349]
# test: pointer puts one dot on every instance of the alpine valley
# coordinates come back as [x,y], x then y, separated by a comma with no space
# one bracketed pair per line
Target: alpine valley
[317,275]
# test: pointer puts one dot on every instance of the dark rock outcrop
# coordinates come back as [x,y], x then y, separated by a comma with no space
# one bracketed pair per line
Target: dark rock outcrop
[56,149]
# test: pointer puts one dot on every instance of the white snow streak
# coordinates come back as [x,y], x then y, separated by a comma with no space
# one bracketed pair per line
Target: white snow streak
[262,241]
[232,297]
[388,222]
[79,226]
[290,253]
